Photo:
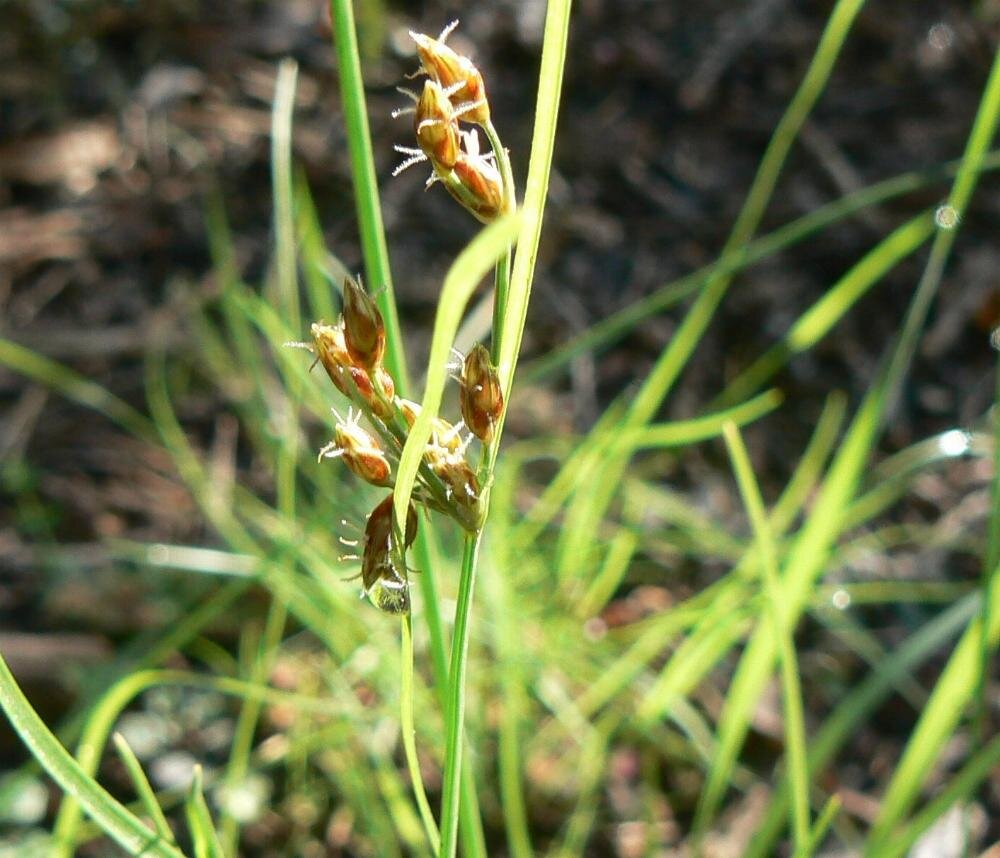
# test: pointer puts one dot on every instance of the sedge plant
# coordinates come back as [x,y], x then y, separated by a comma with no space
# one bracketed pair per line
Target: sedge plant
[553,716]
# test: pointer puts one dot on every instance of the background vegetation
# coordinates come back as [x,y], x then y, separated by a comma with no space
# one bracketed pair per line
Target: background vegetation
[760,213]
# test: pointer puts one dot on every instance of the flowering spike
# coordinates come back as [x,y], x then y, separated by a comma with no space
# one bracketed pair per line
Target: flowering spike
[479,394]
[331,350]
[383,567]
[435,127]
[461,488]
[479,187]
[448,68]
[364,332]
[376,390]
[360,452]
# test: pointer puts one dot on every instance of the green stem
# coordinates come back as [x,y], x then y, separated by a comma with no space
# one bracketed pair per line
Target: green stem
[502,281]
[795,734]
[409,733]
[455,715]
[359,143]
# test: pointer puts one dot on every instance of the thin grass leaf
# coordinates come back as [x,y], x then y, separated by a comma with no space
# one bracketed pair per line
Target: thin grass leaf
[461,281]
[680,433]
[143,789]
[75,387]
[114,819]
[983,765]
[199,820]
[808,556]
[823,822]
[816,322]
[586,511]
[618,324]
[318,269]
[795,733]
[858,705]
[944,709]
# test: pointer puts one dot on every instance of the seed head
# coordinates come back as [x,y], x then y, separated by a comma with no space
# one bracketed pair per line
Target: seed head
[456,74]
[475,182]
[462,487]
[364,332]
[479,393]
[360,451]
[376,390]
[445,437]
[332,353]
[383,565]
[435,127]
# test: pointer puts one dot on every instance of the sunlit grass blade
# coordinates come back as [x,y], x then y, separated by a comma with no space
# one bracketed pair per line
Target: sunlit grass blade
[463,277]
[585,511]
[807,557]
[983,764]
[794,721]
[199,820]
[953,692]
[819,319]
[115,820]
[718,600]
[859,703]
[683,432]
[605,332]
[143,789]
[75,387]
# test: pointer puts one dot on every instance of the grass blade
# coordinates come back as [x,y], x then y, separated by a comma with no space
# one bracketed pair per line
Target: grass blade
[795,733]
[200,825]
[366,197]
[584,514]
[143,788]
[113,818]
[463,277]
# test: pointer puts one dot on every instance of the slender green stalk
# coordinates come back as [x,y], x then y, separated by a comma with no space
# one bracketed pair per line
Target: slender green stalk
[366,197]
[795,732]
[550,79]
[502,281]
[246,722]
[143,788]
[378,274]
[409,733]
[823,822]
[455,715]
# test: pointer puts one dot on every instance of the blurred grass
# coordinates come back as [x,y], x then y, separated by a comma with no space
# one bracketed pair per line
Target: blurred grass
[556,690]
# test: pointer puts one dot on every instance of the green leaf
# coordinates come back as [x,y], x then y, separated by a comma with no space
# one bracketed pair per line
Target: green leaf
[114,819]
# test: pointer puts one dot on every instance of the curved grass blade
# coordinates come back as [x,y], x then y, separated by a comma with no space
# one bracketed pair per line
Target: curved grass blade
[143,788]
[465,274]
[113,818]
